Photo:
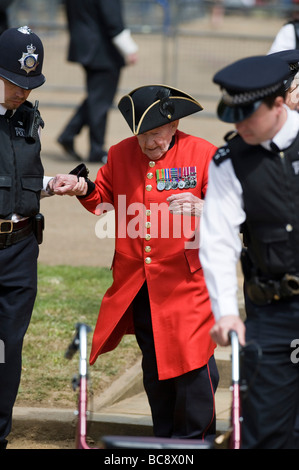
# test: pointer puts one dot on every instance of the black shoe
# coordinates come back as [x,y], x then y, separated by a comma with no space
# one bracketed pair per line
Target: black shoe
[3,444]
[68,147]
[102,159]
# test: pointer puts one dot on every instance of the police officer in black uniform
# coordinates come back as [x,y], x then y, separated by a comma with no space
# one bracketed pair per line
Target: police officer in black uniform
[22,182]
[254,186]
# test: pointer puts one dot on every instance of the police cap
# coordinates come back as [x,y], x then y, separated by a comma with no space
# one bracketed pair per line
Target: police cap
[291,57]
[152,106]
[245,84]
[21,57]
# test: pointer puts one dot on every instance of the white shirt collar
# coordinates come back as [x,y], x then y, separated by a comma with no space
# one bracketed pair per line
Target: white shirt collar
[3,110]
[287,134]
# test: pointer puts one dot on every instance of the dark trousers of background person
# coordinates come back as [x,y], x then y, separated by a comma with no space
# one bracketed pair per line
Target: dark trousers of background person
[181,407]
[270,405]
[93,112]
[18,286]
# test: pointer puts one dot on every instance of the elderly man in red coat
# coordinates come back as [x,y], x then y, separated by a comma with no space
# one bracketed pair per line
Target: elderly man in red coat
[156,181]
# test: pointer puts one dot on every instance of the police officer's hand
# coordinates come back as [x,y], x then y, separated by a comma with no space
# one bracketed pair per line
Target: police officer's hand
[185,203]
[221,329]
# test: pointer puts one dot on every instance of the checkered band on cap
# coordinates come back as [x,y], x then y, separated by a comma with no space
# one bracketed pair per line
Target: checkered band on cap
[294,67]
[248,97]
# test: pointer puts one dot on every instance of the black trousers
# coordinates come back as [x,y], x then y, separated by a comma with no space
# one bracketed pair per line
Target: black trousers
[93,112]
[18,286]
[270,406]
[181,407]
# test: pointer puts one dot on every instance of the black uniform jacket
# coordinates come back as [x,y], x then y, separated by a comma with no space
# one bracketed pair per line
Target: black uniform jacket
[92,27]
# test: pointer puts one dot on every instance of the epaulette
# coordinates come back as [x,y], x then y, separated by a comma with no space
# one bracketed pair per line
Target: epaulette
[223,153]
[230,135]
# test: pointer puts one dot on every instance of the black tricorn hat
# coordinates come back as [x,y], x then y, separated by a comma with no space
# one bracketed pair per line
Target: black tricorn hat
[151,106]
[21,57]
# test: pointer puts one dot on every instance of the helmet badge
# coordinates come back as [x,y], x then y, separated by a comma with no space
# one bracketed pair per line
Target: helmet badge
[29,60]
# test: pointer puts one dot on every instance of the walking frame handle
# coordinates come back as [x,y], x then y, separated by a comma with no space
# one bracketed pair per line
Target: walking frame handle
[79,341]
[234,340]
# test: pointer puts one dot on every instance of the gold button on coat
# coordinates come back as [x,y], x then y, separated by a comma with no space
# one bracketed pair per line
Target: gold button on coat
[148,224]
[148,260]
[152,164]
[150,175]
[148,212]
[147,237]
[148,187]
[147,249]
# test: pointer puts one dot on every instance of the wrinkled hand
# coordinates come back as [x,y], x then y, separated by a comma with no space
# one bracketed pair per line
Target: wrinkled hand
[224,325]
[185,203]
[68,184]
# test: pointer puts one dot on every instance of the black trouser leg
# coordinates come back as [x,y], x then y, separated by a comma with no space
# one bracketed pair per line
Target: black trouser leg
[18,285]
[183,406]
[270,406]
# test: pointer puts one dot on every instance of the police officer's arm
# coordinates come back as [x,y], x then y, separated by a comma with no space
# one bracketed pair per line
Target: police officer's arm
[220,247]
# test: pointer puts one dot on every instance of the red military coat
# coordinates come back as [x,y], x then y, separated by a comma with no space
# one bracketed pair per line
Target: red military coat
[150,246]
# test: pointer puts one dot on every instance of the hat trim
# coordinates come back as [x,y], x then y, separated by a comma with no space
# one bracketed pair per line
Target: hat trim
[165,86]
[136,132]
[249,97]
[157,102]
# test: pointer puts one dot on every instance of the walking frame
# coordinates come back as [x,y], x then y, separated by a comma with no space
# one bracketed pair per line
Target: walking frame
[80,382]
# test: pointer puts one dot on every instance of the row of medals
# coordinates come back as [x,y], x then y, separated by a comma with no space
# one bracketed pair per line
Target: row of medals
[176,178]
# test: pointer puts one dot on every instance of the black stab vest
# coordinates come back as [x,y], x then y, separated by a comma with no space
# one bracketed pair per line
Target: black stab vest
[21,169]
[270,183]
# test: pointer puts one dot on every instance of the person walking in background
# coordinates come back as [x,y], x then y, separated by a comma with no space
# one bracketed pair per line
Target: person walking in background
[288,35]
[158,289]
[100,42]
[4,18]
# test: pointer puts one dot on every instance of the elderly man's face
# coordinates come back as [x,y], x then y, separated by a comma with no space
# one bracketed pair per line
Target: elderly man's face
[156,142]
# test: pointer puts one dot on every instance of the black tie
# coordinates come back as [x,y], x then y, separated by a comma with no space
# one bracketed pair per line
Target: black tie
[8,114]
[274,147]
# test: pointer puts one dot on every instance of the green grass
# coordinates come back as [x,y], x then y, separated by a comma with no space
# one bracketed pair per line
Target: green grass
[67,295]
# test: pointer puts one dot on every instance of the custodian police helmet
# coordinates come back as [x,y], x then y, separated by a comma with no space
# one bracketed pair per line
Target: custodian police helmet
[21,57]
[245,84]
[152,106]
